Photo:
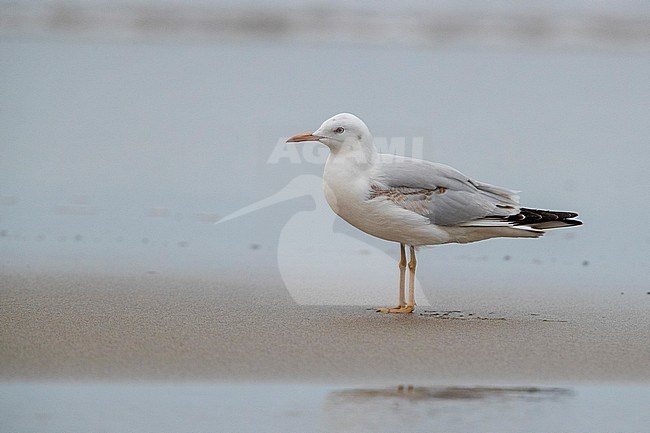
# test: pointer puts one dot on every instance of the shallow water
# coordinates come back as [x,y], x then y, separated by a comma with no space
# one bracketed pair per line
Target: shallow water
[120,154]
[84,407]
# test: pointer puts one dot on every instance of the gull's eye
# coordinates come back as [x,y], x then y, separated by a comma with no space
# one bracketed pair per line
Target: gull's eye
[339,130]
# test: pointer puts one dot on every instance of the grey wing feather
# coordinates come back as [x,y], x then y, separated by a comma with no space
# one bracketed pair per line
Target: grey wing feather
[439,192]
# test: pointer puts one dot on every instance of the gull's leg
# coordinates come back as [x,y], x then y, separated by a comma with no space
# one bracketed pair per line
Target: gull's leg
[401,307]
[402,275]
[412,265]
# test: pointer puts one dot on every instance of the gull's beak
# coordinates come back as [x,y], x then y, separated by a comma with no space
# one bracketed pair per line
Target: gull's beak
[307,136]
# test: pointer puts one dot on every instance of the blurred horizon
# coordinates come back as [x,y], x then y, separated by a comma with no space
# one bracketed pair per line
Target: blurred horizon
[574,25]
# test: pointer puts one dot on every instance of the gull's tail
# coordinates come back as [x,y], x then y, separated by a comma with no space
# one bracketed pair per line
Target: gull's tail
[543,219]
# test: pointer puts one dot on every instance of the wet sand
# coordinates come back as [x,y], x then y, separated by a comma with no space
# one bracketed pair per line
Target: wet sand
[151,327]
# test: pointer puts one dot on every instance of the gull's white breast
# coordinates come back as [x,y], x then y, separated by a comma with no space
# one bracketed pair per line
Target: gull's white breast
[347,190]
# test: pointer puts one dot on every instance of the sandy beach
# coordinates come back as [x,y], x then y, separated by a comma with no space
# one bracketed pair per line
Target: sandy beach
[151,327]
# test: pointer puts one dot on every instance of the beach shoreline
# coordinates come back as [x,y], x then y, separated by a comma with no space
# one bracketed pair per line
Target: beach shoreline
[156,328]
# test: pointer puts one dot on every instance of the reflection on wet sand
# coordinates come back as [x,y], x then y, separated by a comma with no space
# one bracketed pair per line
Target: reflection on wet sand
[419,408]
[410,392]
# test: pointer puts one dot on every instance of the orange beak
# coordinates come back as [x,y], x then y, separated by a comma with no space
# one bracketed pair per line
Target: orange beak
[307,136]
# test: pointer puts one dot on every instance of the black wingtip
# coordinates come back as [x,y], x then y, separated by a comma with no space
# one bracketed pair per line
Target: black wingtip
[572,222]
[533,217]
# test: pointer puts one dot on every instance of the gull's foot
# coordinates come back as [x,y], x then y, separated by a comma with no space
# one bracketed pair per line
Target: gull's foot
[403,309]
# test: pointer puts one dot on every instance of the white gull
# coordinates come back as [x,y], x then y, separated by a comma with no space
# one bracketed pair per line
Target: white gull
[415,202]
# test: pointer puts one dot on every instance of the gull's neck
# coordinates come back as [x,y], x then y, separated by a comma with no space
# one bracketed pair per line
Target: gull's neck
[357,156]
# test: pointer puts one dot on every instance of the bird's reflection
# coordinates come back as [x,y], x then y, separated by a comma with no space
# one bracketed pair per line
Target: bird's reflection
[411,392]
[419,407]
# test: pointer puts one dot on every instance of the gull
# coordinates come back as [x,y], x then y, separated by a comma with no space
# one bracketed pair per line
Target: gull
[414,202]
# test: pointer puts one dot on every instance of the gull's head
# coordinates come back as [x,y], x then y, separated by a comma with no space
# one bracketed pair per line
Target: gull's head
[344,131]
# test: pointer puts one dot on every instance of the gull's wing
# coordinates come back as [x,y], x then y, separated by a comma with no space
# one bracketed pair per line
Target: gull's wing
[441,193]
